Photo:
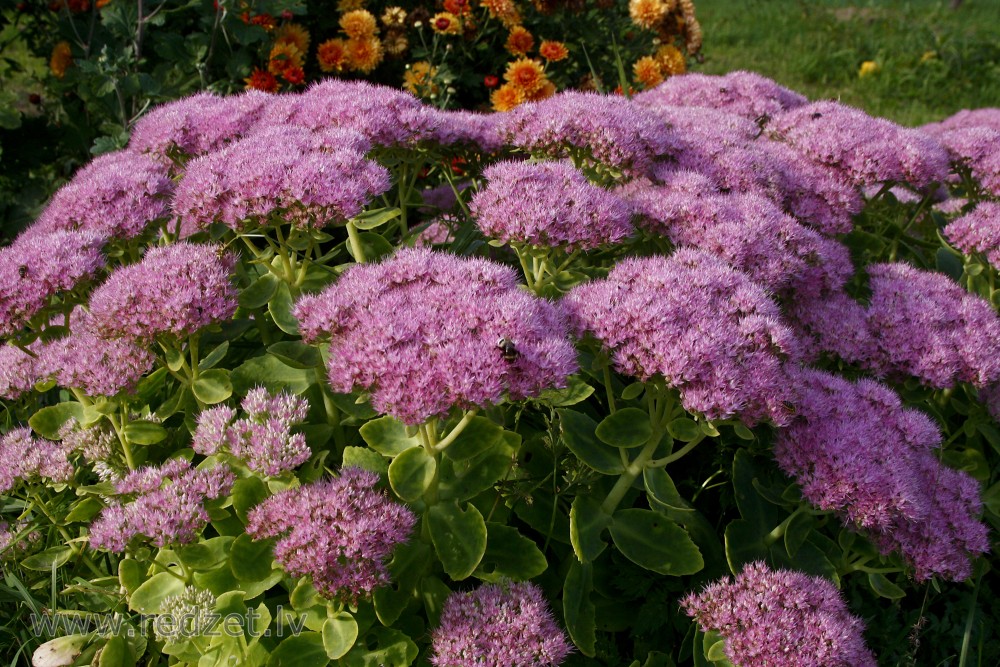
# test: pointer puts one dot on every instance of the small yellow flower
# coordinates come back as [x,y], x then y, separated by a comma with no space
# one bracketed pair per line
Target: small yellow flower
[649,13]
[394,17]
[519,41]
[526,75]
[928,56]
[294,34]
[364,55]
[648,72]
[868,68]
[671,60]
[419,79]
[446,23]
[506,97]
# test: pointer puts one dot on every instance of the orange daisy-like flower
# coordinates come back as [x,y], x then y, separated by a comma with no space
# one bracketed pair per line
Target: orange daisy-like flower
[62,58]
[503,10]
[294,75]
[294,34]
[647,71]
[446,23]
[262,80]
[553,51]
[419,79]
[526,75]
[506,97]
[671,60]
[283,56]
[649,13]
[359,24]
[519,41]
[364,55]
[332,55]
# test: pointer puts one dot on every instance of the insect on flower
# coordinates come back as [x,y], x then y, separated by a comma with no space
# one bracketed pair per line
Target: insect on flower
[506,346]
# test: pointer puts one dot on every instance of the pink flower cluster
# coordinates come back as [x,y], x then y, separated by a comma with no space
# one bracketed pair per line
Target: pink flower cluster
[263,438]
[506,624]
[781,618]
[25,458]
[749,231]
[972,139]
[548,204]
[706,328]
[312,179]
[854,449]
[978,232]
[174,290]
[167,506]
[866,150]
[420,331]
[743,93]
[608,130]
[340,532]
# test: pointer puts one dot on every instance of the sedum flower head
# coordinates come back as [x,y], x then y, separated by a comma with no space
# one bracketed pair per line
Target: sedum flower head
[854,449]
[744,93]
[175,290]
[19,370]
[749,231]
[311,178]
[613,130]
[186,615]
[340,532]
[420,331]
[703,326]
[927,326]
[506,624]
[25,458]
[198,124]
[978,232]
[866,150]
[117,195]
[84,359]
[781,618]
[263,438]
[548,204]
[40,265]
[978,150]
[166,506]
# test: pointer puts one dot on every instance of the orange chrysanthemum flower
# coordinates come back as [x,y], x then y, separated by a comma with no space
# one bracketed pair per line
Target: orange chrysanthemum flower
[364,55]
[419,79]
[671,60]
[543,92]
[648,72]
[519,41]
[294,34]
[332,55]
[446,23]
[283,56]
[526,75]
[294,75]
[262,80]
[553,51]
[649,13]
[359,24]
[62,58]
[457,7]
[506,97]
[503,10]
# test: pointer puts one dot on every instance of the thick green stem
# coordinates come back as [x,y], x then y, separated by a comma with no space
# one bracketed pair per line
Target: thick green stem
[355,240]
[119,429]
[455,432]
[632,472]
[666,460]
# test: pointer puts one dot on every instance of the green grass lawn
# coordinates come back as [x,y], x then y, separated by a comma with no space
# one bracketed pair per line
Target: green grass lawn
[933,60]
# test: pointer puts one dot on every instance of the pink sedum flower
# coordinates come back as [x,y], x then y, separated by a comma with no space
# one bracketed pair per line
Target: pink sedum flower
[175,290]
[978,232]
[341,532]
[548,204]
[263,439]
[25,458]
[167,506]
[703,326]
[747,94]
[854,449]
[117,195]
[420,331]
[506,624]
[780,618]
